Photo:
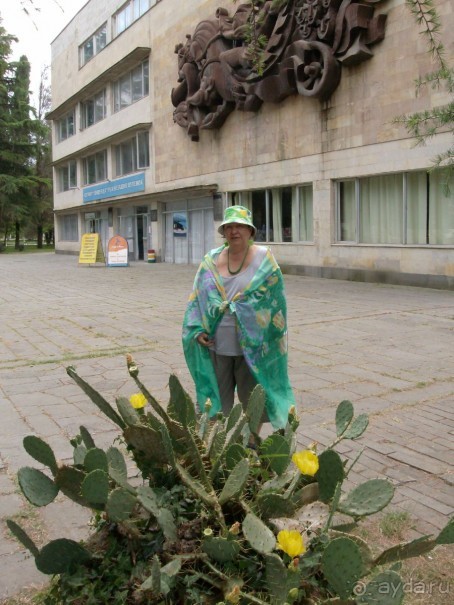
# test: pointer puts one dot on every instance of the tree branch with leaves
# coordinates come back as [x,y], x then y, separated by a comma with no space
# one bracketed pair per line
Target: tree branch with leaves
[423,125]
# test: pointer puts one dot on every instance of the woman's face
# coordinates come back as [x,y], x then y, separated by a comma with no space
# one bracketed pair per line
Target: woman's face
[235,233]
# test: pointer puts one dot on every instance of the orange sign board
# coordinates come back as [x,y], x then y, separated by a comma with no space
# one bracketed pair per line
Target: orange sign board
[117,252]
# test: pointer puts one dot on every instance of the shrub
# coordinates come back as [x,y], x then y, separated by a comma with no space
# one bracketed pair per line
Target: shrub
[205,518]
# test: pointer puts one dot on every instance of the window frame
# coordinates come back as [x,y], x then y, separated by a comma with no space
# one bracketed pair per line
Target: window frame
[127,80]
[130,12]
[67,176]
[68,233]
[92,101]
[66,124]
[86,169]
[407,219]
[267,216]
[94,42]
[135,149]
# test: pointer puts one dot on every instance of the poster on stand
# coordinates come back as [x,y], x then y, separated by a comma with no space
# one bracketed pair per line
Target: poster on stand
[91,251]
[117,252]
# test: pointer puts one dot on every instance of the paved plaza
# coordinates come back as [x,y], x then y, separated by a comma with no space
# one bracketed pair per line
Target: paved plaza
[388,349]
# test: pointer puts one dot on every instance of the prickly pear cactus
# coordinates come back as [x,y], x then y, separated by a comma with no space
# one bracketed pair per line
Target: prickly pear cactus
[183,505]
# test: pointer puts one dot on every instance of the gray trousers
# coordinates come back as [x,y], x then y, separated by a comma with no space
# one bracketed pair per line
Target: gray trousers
[231,372]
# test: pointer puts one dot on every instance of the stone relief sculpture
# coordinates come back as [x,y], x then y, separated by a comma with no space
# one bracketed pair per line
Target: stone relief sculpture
[306,43]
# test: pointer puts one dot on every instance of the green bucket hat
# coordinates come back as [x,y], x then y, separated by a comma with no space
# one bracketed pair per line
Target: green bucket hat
[237,214]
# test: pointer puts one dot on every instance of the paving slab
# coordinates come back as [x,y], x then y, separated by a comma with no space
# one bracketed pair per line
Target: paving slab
[389,349]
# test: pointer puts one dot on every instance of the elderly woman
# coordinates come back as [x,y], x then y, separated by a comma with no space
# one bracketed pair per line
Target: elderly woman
[235,328]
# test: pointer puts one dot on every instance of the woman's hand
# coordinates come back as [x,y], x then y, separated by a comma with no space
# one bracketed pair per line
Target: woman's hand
[204,340]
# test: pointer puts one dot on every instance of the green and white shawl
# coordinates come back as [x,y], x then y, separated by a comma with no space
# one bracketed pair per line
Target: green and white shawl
[261,314]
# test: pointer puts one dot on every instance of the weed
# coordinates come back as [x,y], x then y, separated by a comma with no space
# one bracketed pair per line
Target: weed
[394,524]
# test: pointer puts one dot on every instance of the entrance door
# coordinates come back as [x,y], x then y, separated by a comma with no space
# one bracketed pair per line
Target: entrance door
[189,230]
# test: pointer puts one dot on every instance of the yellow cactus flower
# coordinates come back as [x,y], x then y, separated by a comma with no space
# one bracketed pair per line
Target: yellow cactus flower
[306,461]
[138,401]
[291,542]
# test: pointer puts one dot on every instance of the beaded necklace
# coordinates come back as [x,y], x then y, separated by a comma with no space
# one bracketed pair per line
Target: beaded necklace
[242,262]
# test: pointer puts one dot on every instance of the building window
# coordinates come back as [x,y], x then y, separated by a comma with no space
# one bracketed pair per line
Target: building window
[133,154]
[131,87]
[69,230]
[65,126]
[404,208]
[129,12]
[95,168]
[281,214]
[93,110]
[67,176]
[93,45]
[305,214]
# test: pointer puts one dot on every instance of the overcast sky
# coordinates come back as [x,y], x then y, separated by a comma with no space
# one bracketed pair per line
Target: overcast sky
[36,30]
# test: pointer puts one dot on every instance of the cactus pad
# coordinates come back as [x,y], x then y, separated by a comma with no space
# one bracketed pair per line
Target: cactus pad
[97,399]
[279,579]
[342,565]
[221,550]
[344,415]
[259,535]
[120,505]
[127,412]
[234,454]
[384,589]
[36,486]
[399,552]
[95,488]
[41,452]
[330,473]
[357,427]
[368,498]
[96,459]
[272,506]
[235,482]
[87,438]
[181,407]
[70,480]
[147,441]
[117,466]
[60,556]
[275,450]
[255,408]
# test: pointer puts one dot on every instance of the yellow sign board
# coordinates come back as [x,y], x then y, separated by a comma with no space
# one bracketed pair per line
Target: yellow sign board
[91,249]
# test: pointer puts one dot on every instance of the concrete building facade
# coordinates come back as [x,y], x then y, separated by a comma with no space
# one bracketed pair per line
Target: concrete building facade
[337,187]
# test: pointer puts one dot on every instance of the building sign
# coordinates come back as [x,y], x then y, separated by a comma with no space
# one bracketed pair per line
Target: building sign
[117,252]
[124,186]
[91,249]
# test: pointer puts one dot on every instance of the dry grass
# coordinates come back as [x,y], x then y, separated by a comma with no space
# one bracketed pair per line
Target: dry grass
[428,579]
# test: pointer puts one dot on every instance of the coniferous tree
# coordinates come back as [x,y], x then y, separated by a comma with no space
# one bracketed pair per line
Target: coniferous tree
[6,181]
[41,214]
[21,127]
[20,141]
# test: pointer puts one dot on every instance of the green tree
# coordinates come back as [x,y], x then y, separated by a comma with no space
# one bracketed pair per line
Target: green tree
[21,137]
[6,79]
[41,210]
[425,124]
[20,132]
